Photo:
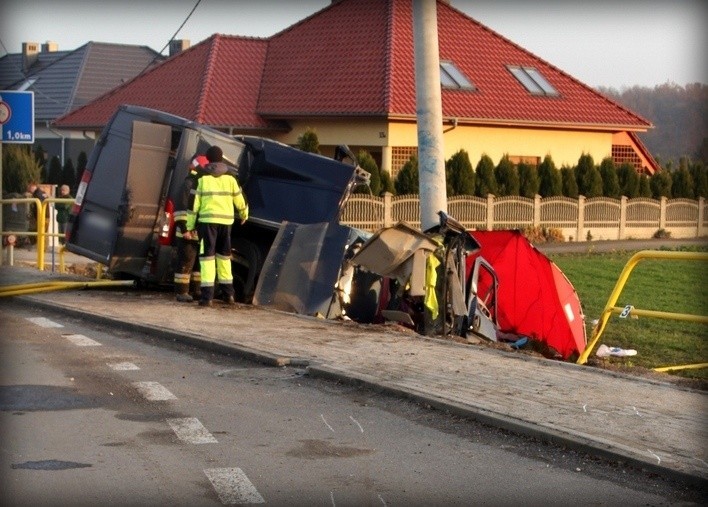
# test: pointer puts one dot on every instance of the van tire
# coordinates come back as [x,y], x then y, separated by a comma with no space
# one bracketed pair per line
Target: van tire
[246,263]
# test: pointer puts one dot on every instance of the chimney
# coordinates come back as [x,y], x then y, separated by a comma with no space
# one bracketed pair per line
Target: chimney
[30,54]
[178,45]
[50,47]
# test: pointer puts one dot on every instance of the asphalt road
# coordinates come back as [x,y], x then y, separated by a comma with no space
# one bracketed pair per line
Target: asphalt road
[100,416]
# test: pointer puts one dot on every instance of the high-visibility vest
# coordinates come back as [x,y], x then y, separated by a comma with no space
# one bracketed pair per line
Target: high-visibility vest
[216,198]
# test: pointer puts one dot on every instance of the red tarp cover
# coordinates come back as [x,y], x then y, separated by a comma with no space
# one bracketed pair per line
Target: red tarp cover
[535,299]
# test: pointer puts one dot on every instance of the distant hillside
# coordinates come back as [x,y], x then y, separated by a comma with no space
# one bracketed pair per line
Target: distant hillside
[679,115]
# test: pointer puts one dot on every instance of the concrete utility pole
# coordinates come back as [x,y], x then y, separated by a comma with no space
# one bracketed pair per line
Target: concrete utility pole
[431,153]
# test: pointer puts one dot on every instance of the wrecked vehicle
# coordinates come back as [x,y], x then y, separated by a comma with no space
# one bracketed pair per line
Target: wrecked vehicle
[123,213]
[397,274]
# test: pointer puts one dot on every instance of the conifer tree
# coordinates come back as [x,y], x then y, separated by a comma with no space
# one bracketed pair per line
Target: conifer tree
[367,163]
[699,173]
[68,175]
[55,168]
[610,183]
[386,183]
[507,177]
[550,183]
[529,183]
[569,182]
[588,177]
[459,174]
[660,184]
[628,180]
[308,141]
[19,168]
[682,184]
[644,188]
[485,182]
[407,179]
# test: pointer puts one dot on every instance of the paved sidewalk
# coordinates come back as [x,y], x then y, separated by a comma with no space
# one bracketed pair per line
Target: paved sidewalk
[656,425]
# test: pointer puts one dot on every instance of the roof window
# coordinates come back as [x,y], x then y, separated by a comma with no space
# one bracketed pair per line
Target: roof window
[533,80]
[452,78]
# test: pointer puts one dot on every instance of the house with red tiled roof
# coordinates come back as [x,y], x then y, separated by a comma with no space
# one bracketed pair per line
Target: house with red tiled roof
[347,72]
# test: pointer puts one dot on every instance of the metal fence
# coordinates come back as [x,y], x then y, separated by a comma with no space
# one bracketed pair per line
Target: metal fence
[578,219]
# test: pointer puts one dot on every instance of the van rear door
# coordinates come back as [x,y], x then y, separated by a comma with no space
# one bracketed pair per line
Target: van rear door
[120,206]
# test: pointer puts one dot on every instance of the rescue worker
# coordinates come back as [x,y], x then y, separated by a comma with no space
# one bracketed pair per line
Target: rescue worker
[218,195]
[187,278]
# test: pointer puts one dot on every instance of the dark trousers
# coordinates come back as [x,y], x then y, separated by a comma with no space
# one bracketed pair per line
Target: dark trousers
[215,259]
[187,269]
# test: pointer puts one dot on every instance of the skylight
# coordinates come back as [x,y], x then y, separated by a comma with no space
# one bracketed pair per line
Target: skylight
[533,80]
[452,78]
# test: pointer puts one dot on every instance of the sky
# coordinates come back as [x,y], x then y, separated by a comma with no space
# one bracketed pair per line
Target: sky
[618,44]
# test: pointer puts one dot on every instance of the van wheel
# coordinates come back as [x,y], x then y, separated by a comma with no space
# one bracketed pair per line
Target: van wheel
[246,264]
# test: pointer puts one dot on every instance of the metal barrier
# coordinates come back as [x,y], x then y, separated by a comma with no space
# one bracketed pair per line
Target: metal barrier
[610,307]
[40,233]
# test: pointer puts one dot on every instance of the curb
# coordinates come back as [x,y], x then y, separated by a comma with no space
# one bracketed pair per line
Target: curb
[550,434]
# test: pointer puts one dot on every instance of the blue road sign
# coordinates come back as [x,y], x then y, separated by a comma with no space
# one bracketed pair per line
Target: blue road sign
[17,116]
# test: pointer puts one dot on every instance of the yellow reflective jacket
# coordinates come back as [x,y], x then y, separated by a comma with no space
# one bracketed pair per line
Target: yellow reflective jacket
[218,194]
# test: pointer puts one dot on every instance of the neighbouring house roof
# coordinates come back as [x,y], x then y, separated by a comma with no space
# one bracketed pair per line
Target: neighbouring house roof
[215,82]
[65,80]
[355,58]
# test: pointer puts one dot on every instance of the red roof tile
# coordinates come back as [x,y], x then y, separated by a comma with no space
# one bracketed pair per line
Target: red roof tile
[355,58]
[214,82]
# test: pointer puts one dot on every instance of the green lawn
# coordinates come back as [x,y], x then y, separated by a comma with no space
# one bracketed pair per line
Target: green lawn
[663,285]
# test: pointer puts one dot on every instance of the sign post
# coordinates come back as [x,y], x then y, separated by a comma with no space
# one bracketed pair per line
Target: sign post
[16,126]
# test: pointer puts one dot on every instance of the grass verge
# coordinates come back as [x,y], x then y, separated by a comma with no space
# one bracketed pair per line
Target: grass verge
[668,286]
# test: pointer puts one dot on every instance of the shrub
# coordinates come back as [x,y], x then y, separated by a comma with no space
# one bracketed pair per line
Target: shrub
[407,180]
[543,234]
[662,234]
[588,177]
[628,179]
[610,182]
[550,182]
[19,168]
[367,163]
[459,174]
[308,141]
[529,184]
[569,184]
[485,182]
[507,177]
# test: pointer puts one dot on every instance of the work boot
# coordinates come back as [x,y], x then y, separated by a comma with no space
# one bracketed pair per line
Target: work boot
[181,291]
[195,289]
[229,300]
[206,302]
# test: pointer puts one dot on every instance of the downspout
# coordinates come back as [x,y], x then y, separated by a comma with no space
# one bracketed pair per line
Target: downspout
[454,126]
[60,136]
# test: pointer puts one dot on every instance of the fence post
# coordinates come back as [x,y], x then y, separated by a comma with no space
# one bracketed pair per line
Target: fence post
[701,216]
[662,212]
[536,211]
[581,218]
[623,216]
[490,212]
[388,209]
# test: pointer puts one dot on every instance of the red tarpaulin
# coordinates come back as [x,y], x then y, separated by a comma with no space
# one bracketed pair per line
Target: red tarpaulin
[535,299]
